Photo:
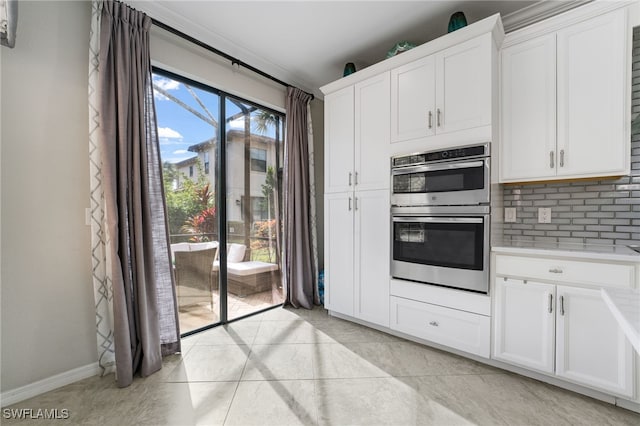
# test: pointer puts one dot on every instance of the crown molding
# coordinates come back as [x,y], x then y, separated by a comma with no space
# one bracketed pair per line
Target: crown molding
[538,12]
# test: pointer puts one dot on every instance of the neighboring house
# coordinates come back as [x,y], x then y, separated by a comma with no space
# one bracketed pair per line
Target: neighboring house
[262,154]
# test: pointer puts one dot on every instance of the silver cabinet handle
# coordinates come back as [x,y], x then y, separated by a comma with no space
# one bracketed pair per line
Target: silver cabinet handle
[555,270]
[356,203]
[550,303]
[349,178]
[562,158]
[355,180]
[430,119]
[349,203]
[438,112]
[551,162]
[434,323]
[562,305]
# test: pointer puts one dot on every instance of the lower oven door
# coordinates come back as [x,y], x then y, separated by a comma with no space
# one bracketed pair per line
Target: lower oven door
[448,251]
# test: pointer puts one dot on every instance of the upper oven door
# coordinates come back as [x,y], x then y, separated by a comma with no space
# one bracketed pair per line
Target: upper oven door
[446,184]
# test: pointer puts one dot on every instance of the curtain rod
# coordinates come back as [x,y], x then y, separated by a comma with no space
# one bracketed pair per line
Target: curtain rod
[234,61]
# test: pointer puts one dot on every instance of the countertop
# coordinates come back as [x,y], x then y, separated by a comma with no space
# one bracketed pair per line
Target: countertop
[624,304]
[583,251]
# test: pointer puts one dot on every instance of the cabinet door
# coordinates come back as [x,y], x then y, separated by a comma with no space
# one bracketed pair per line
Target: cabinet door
[338,254]
[524,324]
[528,110]
[372,104]
[372,259]
[413,100]
[592,118]
[590,347]
[463,85]
[339,145]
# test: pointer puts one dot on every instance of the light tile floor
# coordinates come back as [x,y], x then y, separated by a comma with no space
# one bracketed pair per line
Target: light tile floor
[289,366]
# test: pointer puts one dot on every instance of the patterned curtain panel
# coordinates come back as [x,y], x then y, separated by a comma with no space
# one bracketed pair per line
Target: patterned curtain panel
[8,22]
[300,277]
[136,311]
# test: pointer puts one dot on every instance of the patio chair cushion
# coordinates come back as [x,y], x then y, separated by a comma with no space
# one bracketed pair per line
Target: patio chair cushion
[235,253]
[252,267]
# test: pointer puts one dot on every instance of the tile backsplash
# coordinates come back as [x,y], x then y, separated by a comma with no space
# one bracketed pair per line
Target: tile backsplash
[591,211]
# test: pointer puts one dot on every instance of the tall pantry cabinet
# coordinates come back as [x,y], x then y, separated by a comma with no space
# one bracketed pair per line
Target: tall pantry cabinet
[357,200]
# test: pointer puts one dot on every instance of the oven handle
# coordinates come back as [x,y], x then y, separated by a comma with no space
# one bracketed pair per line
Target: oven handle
[437,167]
[438,219]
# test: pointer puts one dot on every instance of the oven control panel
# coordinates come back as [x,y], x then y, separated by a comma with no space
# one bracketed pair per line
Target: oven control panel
[471,151]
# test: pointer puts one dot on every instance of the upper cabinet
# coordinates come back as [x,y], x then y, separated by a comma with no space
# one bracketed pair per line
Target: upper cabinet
[440,94]
[565,98]
[357,131]
[339,128]
[444,92]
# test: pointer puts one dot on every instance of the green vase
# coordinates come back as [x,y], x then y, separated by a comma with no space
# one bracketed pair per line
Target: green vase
[457,21]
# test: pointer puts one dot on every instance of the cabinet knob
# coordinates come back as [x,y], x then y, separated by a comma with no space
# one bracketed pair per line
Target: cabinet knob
[434,323]
[555,270]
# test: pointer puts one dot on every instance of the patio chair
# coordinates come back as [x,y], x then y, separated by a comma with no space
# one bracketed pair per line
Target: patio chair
[193,276]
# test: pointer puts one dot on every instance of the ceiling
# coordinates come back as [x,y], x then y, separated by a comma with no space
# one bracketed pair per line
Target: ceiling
[307,43]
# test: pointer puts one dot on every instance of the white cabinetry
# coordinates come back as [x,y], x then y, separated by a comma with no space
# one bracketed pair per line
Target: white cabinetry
[338,132]
[357,255]
[590,347]
[538,323]
[357,135]
[524,324]
[564,98]
[357,200]
[454,328]
[445,92]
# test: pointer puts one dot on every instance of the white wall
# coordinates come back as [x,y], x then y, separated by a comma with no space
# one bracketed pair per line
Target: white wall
[48,315]
[173,54]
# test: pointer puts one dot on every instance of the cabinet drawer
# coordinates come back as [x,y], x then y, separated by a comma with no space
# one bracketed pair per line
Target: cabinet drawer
[566,271]
[449,327]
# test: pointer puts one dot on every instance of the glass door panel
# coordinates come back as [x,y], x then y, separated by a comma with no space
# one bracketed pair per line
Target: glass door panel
[187,128]
[253,146]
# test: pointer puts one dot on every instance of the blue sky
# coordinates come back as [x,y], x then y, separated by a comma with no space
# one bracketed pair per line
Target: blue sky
[177,127]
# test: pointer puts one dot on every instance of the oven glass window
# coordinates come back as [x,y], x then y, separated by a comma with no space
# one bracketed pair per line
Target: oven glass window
[454,245]
[439,181]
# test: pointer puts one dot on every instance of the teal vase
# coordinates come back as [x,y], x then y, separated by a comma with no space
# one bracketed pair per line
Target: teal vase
[457,21]
[349,68]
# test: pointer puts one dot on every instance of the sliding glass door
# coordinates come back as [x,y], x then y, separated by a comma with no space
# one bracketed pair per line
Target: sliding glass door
[253,148]
[222,159]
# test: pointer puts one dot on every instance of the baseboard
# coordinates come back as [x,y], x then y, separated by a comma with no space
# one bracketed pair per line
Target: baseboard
[54,382]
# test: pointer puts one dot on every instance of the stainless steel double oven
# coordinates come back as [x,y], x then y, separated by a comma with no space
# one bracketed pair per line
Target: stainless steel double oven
[440,209]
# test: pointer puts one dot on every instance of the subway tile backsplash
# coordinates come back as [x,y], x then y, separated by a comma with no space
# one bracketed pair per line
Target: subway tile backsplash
[593,212]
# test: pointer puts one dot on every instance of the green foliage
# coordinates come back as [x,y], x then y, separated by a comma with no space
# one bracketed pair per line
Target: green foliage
[267,190]
[186,201]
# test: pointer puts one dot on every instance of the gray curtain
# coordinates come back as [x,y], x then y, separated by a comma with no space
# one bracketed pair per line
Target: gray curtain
[299,279]
[144,304]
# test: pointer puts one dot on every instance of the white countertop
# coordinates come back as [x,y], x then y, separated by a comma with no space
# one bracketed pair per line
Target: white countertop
[624,304]
[584,251]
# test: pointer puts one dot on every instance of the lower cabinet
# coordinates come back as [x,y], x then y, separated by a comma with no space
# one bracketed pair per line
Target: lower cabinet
[357,247]
[445,326]
[562,330]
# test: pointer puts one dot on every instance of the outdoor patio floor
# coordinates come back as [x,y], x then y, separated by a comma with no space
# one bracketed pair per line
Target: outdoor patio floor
[193,317]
